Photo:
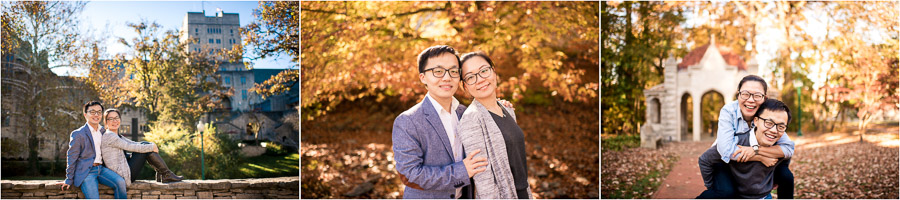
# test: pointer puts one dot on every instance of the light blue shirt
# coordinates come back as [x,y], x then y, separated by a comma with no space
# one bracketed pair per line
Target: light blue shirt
[732,121]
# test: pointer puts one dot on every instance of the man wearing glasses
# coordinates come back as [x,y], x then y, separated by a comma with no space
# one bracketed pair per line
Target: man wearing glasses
[429,155]
[752,179]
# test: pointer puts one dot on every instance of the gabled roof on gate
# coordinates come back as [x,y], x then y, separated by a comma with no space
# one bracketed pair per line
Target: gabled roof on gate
[728,54]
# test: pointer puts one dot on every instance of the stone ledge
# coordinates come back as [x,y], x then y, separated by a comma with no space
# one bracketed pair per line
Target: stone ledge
[270,188]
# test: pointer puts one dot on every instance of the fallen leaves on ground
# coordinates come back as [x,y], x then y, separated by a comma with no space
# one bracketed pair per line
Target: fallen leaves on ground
[852,170]
[635,172]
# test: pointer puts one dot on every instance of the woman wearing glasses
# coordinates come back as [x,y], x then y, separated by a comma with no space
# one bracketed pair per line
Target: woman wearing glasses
[737,117]
[491,128]
[113,144]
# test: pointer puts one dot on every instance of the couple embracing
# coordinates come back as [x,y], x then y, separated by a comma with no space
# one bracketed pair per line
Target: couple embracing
[99,155]
[752,152]
[446,150]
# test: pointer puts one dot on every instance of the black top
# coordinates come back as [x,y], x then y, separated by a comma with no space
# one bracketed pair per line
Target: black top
[515,148]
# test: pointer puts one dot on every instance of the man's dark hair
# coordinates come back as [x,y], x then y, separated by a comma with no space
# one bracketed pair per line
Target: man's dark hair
[435,51]
[92,103]
[470,55]
[773,105]
[754,78]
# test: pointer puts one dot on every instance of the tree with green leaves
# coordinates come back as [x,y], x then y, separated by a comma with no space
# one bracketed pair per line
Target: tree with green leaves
[637,38]
[162,77]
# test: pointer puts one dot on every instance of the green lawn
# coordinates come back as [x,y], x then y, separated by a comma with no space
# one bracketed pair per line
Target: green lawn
[265,166]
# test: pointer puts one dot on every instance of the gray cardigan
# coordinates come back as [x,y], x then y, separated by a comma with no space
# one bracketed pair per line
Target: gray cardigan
[111,148]
[477,130]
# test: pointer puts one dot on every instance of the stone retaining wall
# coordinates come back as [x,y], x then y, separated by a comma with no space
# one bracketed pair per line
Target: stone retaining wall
[262,188]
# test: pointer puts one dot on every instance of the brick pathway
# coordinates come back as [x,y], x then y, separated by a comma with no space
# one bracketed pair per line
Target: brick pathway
[684,181]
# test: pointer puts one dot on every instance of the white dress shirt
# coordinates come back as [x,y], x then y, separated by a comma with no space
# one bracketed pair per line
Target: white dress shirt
[450,120]
[96,136]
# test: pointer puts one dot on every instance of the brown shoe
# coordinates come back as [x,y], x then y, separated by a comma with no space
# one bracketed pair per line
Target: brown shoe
[163,174]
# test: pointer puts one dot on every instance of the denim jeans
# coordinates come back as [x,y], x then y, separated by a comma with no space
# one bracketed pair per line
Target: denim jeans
[785,180]
[102,175]
[723,184]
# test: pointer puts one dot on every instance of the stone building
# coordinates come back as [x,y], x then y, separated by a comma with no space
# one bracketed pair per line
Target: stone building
[246,115]
[709,68]
[213,34]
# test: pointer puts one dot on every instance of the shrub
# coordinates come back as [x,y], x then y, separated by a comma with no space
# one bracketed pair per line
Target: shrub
[180,149]
[620,142]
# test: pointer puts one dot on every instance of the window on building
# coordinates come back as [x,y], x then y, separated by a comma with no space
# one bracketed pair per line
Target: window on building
[243,80]
[196,30]
[218,41]
[210,41]
[244,94]
[124,129]
[227,80]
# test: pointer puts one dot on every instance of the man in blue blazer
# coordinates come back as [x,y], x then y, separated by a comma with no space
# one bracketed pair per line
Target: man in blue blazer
[84,163]
[428,154]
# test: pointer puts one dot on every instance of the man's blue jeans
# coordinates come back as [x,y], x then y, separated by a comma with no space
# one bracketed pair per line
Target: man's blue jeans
[105,176]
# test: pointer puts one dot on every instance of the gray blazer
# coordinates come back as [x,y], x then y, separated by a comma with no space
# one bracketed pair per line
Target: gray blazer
[423,153]
[111,148]
[477,130]
[80,156]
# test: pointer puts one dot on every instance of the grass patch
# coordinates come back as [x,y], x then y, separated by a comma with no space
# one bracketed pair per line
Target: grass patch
[619,142]
[265,166]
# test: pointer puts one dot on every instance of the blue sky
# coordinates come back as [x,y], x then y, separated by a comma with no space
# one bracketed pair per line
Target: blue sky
[108,18]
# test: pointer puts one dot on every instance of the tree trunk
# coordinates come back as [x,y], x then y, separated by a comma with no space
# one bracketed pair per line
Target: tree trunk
[33,168]
[839,115]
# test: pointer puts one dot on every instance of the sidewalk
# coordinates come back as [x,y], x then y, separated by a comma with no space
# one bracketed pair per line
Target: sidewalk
[684,181]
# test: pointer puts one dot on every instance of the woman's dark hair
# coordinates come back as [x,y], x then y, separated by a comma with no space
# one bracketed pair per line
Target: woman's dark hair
[92,103]
[754,78]
[435,51]
[773,105]
[470,55]
[105,113]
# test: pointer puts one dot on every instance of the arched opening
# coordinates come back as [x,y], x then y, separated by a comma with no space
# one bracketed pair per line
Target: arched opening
[655,111]
[686,128]
[710,104]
